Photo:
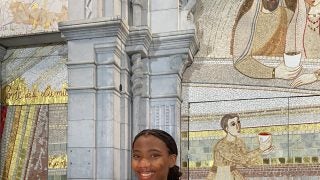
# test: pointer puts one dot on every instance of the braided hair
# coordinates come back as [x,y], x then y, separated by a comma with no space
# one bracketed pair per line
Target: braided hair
[174,172]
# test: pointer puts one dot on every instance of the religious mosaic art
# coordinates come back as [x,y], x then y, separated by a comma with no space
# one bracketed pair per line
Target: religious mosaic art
[33,141]
[251,96]
[35,75]
[286,128]
[22,17]
[34,113]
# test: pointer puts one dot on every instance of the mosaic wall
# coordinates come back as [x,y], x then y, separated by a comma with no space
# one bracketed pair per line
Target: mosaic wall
[293,122]
[33,127]
[33,142]
[245,65]
[24,142]
[22,17]
[34,75]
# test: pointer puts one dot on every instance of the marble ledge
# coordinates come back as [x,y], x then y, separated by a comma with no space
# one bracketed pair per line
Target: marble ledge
[173,43]
[94,28]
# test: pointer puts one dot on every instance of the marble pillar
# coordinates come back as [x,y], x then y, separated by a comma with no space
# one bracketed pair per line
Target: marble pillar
[98,107]
[170,54]
[137,47]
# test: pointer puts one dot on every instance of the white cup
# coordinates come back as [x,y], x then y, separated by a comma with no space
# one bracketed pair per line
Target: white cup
[264,137]
[292,59]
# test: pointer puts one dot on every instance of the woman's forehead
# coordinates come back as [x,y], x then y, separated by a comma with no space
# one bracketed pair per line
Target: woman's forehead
[149,139]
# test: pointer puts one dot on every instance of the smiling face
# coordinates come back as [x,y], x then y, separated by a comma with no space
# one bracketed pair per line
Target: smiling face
[234,126]
[151,159]
[270,5]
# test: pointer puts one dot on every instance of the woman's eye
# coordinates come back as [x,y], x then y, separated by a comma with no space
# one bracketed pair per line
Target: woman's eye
[135,156]
[155,155]
[233,124]
[239,122]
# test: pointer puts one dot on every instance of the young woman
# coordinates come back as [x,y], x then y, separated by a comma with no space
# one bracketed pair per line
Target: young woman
[154,155]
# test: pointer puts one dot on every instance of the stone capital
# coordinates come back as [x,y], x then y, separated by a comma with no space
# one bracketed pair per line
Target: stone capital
[173,43]
[179,47]
[137,2]
[94,28]
[139,41]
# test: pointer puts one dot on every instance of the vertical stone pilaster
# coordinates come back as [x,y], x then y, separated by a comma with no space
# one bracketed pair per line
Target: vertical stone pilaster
[81,110]
[81,119]
[96,120]
[137,46]
[137,12]
[140,13]
[171,53]
[140,90]
[165,95]
[125,5]
[108,134]
[125,118]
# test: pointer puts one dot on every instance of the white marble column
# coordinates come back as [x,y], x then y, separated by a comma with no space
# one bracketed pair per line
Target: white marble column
[169,56]
[99,101]
[141,94]
[137,47]
[125,118]
[81,110]
[108,110]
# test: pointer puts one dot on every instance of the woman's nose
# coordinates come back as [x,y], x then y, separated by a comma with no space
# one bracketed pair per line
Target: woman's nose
[144,163]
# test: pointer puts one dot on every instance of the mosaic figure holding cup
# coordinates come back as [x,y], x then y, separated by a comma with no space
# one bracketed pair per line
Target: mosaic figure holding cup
[231,152]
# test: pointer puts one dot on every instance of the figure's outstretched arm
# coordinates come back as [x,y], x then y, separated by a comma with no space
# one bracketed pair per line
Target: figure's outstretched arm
[254,69]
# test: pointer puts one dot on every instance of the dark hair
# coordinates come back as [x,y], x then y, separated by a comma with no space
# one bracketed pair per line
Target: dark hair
[225,119]
[174,172]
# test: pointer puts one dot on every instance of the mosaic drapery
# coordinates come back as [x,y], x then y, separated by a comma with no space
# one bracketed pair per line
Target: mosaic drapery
[24,143]
[33,113]
[33,142]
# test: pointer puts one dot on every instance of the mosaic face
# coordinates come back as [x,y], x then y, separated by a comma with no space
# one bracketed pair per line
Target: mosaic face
[234,126]
[270,5]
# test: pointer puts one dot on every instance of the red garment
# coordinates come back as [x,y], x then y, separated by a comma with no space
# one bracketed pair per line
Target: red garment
[3,119]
